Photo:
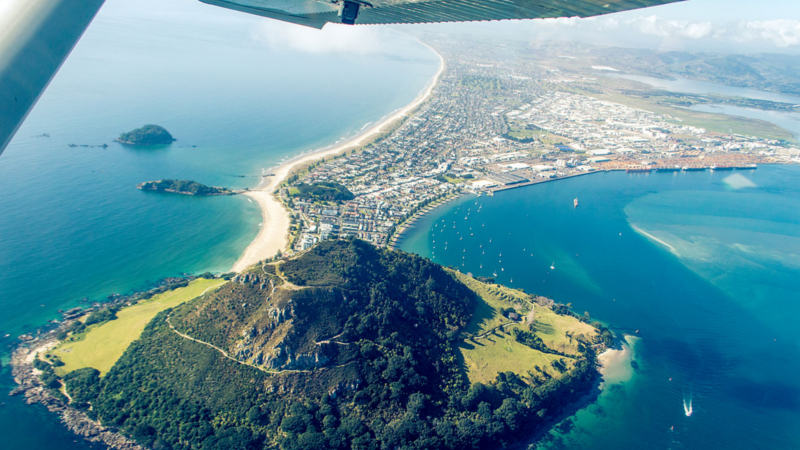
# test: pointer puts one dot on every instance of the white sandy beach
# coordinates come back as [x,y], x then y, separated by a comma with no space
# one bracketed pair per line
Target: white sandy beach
[274,233]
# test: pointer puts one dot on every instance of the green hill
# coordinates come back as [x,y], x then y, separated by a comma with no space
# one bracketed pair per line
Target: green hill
[183,187]
[146,136]
[326,191]
[344,346]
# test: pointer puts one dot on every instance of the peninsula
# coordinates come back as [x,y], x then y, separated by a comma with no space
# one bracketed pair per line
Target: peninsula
[486,128]
[184,187]
[145,136]
[342,346]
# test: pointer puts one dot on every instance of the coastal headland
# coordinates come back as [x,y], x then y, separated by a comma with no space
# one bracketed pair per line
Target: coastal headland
[273,235]
[526,358]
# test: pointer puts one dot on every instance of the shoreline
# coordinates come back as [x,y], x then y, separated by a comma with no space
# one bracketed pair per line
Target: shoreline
[273,235]
[615,364]
[30,386]
[405,226]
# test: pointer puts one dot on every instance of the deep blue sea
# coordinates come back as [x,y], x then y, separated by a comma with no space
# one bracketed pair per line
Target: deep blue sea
[710,284]
[240,93]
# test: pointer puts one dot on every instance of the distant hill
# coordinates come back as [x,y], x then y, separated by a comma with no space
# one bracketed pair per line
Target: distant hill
[146,136]
[345,346]
[768,72]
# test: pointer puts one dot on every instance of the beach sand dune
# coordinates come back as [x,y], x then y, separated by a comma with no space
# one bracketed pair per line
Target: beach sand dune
[274,233]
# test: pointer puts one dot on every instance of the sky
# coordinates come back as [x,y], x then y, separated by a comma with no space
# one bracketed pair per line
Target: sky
[728,26]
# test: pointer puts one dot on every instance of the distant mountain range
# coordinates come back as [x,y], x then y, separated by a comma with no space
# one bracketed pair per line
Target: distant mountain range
[768,72]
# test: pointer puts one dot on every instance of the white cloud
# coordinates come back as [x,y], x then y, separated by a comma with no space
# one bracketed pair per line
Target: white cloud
[560,21]
[655,31]
[333,38]
[780,32]
[656,26]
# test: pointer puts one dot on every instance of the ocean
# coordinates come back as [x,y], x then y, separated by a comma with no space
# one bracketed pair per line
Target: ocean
[240,93]
[703,269]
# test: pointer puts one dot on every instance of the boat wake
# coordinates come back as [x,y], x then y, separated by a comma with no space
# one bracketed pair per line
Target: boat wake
[687,406]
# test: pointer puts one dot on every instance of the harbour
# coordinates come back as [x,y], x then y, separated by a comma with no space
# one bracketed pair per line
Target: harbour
[684,316]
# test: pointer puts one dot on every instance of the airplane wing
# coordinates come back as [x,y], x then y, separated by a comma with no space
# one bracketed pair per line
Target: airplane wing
[316,13]
[35,38]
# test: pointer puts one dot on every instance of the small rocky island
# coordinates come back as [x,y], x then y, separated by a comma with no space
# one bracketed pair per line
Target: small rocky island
[184,187]
[147,135]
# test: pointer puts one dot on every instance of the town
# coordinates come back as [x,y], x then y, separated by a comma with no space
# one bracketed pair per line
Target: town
[496,123]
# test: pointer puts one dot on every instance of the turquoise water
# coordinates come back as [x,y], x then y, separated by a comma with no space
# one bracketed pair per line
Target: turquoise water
[238,92]
[710,282]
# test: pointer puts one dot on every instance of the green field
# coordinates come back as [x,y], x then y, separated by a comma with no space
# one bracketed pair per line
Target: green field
[101,345]
[555,329]
[499,352]
[489,346]
[526,132]
[719,123]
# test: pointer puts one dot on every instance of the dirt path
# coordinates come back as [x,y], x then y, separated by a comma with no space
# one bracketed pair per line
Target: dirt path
[331,340]
[488,332]
[226,355]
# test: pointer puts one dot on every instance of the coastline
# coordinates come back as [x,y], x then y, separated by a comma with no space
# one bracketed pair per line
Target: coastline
[615,364]
[29,385]
[273,236]
[406,225]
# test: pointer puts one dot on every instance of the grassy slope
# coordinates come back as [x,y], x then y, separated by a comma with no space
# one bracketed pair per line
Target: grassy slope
[100,346]
[490,349]
[553,329]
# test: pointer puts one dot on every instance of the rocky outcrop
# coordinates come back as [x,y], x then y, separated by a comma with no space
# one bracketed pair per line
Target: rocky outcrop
[29,385]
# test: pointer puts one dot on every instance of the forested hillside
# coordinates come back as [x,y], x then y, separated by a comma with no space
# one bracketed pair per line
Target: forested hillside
[345,346]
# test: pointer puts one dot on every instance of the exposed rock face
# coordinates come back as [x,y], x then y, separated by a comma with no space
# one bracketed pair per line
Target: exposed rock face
[288,328]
